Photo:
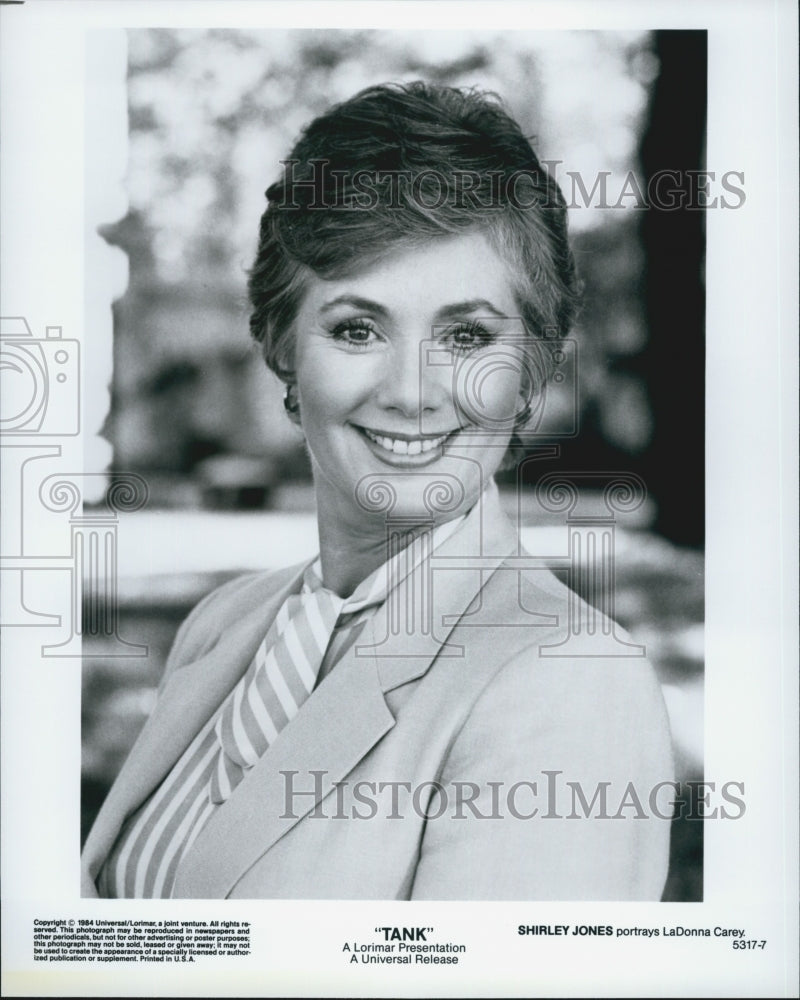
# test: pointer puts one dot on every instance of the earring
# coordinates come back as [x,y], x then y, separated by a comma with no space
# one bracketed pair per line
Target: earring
[291,403]
[522,417]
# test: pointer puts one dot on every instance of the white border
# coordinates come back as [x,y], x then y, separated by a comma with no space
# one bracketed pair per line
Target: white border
[751,694]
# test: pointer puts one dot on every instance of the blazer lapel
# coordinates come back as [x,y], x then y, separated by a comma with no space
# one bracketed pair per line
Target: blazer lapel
[338,725]
[409,632]
[347,714]
[190,697]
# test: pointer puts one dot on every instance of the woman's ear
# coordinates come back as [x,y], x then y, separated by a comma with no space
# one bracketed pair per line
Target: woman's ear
[291,403]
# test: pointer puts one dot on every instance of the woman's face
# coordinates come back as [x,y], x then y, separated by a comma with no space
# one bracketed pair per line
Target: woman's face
[408,374]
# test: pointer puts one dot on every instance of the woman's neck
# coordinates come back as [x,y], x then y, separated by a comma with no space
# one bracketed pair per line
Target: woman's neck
[354,543]
[349,555]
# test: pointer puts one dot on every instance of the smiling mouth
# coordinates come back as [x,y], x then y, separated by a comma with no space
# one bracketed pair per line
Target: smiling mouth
[406,446]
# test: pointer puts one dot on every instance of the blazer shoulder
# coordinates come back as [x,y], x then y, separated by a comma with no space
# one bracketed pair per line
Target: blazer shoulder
[554,748]
[532,596]
[567,742]
[219,609]
[534,667]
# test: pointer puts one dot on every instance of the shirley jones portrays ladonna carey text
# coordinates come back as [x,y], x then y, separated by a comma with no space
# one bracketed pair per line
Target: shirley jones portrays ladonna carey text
[423,711]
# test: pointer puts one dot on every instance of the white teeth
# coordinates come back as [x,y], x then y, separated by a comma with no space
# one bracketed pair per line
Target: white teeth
[402,447]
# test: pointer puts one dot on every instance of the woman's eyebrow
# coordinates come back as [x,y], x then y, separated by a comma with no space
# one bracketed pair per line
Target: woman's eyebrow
[357,302]
[448,312]
[469,306]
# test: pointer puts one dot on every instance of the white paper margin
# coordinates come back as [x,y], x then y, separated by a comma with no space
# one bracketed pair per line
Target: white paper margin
[751,639]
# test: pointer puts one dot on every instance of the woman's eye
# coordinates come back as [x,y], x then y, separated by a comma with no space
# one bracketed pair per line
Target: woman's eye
[354,334]
[468,337]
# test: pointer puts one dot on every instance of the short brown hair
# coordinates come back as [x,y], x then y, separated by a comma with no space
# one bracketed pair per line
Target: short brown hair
[396,166]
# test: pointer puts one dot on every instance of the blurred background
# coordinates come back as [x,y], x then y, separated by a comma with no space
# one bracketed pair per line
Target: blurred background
[194,411]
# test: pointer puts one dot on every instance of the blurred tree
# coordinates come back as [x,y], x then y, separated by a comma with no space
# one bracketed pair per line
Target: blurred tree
[674,241]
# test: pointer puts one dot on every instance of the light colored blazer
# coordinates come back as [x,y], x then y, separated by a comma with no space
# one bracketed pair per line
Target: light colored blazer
[470,720]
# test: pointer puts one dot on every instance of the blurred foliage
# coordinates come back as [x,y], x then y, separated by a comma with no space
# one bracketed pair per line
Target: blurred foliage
[212,113]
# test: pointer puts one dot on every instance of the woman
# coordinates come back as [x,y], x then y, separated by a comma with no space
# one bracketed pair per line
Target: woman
[391,721]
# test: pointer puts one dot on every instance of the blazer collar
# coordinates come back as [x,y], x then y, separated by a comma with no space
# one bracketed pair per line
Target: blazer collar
[414,625]
[337,726]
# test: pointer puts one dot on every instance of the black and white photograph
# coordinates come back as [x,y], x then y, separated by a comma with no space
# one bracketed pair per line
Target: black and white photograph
[414,293]
[396,549]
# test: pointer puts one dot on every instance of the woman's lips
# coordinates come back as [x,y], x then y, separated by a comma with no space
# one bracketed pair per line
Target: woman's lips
[406,446]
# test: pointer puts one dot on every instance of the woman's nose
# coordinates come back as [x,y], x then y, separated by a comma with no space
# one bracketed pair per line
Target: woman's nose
[411,385]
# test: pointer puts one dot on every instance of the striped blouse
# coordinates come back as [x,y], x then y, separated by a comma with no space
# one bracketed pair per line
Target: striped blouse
[145,859]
